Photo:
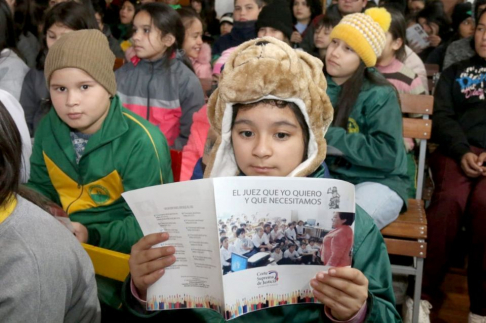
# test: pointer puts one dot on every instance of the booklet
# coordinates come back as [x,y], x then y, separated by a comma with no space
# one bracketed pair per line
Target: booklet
[254,270]
[416,34]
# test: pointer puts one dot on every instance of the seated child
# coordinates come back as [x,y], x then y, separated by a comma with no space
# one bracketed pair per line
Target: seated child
[283,135]
[292,254]
[277,255]
[88,149]
[225,254]
[325,24]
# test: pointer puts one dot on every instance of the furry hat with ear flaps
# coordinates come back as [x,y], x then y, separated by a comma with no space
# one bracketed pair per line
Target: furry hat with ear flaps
[266,68]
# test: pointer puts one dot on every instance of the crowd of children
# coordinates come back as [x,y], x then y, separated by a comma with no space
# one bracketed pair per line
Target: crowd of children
[294,83]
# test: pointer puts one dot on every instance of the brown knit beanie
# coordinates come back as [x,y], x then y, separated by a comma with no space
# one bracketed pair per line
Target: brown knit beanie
[87,50]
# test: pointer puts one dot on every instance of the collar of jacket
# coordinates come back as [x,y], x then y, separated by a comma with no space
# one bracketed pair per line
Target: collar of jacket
[113,127]
[242,29]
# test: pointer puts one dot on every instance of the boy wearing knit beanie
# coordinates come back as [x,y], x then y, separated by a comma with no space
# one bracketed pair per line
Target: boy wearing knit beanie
[88,149]
[275,20]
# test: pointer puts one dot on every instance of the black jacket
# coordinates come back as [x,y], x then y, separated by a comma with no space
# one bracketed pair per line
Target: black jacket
[459,118]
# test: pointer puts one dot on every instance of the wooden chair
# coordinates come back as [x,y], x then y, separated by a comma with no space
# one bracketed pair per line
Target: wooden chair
[432,70]
[176,157]
[406,235]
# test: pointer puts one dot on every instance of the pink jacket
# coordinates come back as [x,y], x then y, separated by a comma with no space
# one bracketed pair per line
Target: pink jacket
[202,65]
[194,149]
[336,247]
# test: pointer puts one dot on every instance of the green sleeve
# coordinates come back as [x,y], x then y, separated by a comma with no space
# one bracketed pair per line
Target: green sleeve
[138,172]
[377,143]
[371,258]
[39,177]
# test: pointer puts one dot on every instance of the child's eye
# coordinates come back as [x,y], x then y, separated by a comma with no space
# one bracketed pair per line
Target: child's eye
[282,135]
[85,87]
[146,30]
[246,134]
[60,89]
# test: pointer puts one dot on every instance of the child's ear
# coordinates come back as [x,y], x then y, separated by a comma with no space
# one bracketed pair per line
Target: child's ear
[168,40]
[397,44]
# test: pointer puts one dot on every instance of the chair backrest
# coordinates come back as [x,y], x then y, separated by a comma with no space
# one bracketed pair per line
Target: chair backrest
[176,157]
[418,128]
[108,263]
[432,70]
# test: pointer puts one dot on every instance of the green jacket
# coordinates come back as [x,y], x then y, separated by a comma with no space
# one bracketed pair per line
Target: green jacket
[127,153]
[369,255]
[373,143]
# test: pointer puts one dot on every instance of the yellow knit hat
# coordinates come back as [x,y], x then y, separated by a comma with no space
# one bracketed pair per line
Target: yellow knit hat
[365,33]
[86,49]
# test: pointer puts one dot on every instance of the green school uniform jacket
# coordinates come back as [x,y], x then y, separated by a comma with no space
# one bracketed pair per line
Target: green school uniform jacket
[373,142]
[369,256]
[127,153]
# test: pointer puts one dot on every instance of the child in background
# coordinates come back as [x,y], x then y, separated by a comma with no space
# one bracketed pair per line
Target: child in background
[122,31]
[226,23]
[198,52]
[367,125]
[390,64]
[114,44]
[296,94]
[304,11]
[290,233]
[13,68]
[225,254]
[292,255]
[60,19]
[88,150]
[322,34]
[277,255]
[158,84]
[244,16]
[299,228]
[275,20]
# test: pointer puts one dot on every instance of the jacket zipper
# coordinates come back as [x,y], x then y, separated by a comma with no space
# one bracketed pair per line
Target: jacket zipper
[148,91]
[80,186]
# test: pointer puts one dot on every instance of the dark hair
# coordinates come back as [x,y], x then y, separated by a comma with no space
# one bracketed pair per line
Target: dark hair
[99,9]
[315,8]
[350,91]
[71,14]
[23,18]
[291,245]
[240,231]
[398,29]
[477,4]
[10,156]
[473,41]
[281,105]
[434,12]
[188,16]
[347,216]
[267,225]
[221,240]
[7,29]
[233,227]
[260,3]
[327,20]
[242,225]
[168,21]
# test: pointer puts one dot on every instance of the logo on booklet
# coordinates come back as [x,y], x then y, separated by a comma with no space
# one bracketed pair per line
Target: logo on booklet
[267,277]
